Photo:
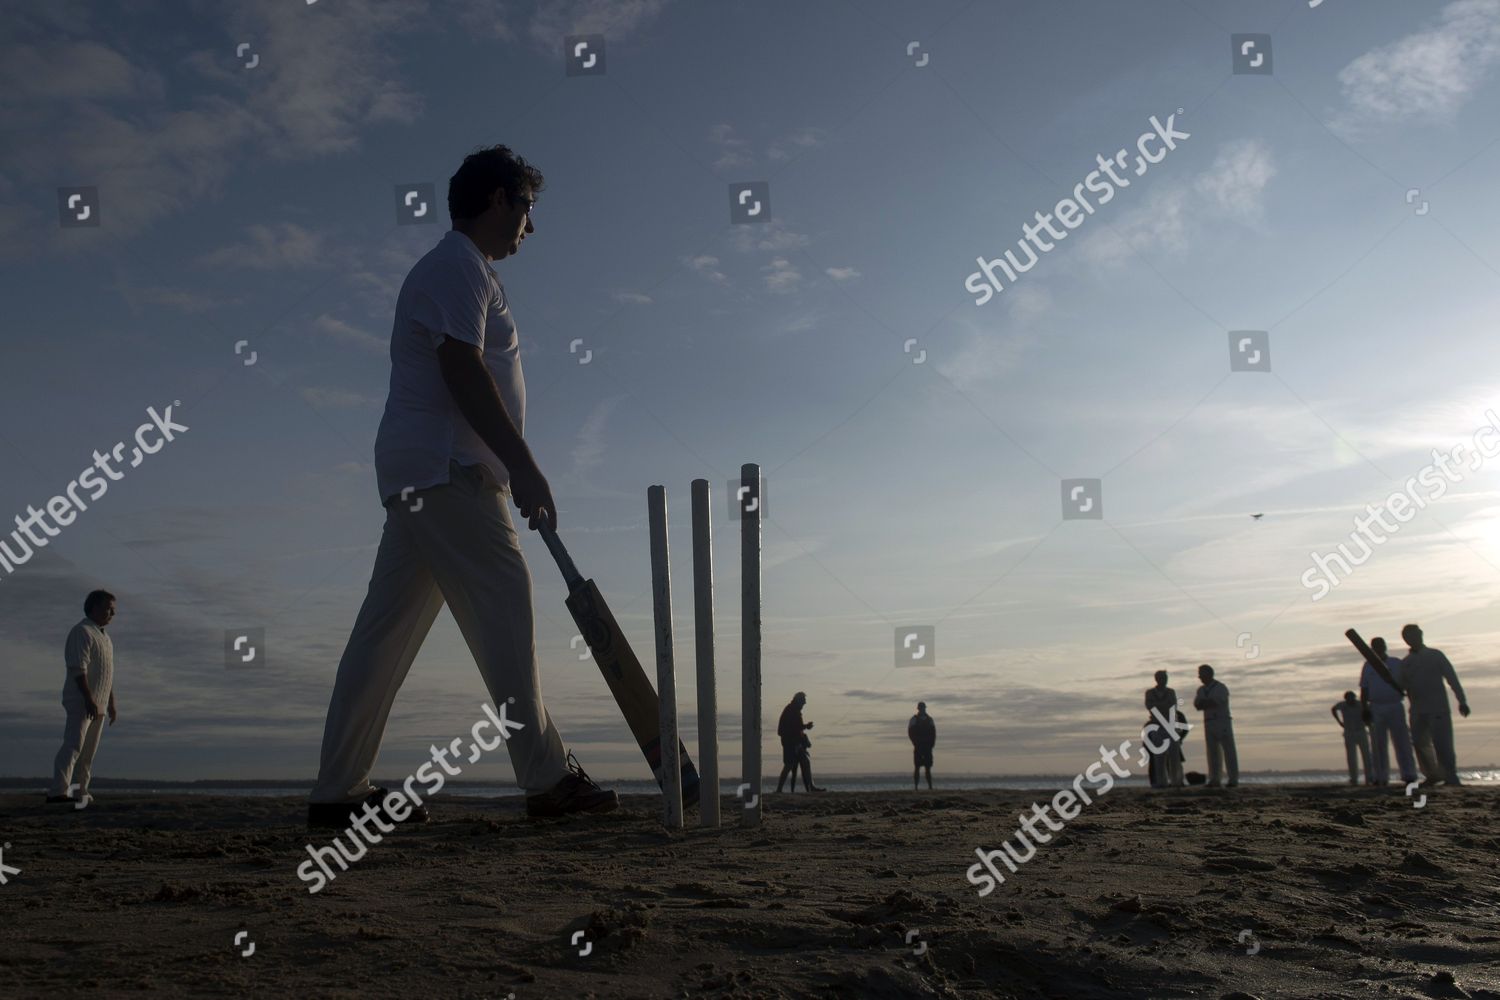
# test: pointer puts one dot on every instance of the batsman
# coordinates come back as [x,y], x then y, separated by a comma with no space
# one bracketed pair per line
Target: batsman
[449,459]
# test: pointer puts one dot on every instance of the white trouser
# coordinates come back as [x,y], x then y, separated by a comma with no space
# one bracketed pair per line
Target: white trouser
[74,762]
[459,547]
[1219,735]
[1436,728]
[1388,722]
[1357,751]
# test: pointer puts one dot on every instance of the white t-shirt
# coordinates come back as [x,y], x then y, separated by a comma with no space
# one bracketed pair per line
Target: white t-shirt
[1382,693]
[89,654]
[450,292]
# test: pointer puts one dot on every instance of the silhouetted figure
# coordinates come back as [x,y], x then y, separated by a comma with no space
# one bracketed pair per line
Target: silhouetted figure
[794,745]
[922,732]
[450,460]
[1424,671]
[90,659]
[1350,715]
[1218,731]
[1387,718]
[1166,766]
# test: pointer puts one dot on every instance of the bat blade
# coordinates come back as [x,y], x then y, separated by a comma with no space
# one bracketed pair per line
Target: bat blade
[627,682]
[1373,659]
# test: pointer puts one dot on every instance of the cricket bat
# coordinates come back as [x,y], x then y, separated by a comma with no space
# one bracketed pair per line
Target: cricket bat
[621,669]
[1373,659]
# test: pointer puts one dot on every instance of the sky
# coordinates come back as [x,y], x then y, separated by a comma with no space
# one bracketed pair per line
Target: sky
[247,161]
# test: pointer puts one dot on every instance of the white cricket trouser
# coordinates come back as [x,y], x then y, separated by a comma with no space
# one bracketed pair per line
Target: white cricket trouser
[1219,735]
[1357,751]
[75,761]
[1388,723]
[459,547]
[1436,728]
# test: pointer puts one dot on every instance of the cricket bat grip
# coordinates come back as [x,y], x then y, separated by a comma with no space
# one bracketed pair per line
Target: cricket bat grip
[571,576]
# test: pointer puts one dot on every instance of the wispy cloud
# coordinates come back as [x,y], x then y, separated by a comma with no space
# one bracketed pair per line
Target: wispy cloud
[708,266]
[83,110]
[782,276]
[1232,190]
[328,398]
[347,333]
[1429,74]
[276,247]
[589,449]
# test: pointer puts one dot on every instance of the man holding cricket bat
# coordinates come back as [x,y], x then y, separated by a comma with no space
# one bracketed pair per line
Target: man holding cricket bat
[1424,671]
[449,457]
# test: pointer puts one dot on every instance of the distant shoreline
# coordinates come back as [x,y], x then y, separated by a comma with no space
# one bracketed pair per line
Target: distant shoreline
[949,782]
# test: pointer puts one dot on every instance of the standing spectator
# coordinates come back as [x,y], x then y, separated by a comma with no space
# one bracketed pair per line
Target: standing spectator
[1218,731]
[1161,701]
[794,743]
[90,658]
[1350,715]
[922,732]
[1424,671]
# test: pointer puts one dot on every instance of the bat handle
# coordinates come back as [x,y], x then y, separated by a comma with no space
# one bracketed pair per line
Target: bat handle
[570,572]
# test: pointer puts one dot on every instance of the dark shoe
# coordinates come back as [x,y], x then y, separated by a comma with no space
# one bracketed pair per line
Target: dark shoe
[56,799]
[340,815]
[576,793]
[1429,783]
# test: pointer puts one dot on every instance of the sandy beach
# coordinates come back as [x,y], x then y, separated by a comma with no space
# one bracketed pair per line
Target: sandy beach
[1259,892]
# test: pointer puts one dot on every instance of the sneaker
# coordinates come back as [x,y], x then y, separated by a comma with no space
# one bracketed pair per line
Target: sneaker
[1429,783]
[576,793]
[339,815]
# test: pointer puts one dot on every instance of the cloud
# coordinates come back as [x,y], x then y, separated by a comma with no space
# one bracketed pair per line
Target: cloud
[981,355]
[782,276]
[184,300]
[281,246]
[589,450]
[1232,190]
[1429,74]
[733,151]
[842,273]
[785,147]
[1235,185]
[83,103]
[771,236]
[615,19]
[328,398]
[633,298]
[348,334]
[708,266]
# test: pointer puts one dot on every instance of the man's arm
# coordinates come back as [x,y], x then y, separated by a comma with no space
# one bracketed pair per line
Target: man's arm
[1451,676]
[1202,700]
[478,399]
[1337,715]
[88,696]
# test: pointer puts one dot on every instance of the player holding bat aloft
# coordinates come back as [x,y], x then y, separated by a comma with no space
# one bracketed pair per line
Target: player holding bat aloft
[449,456]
